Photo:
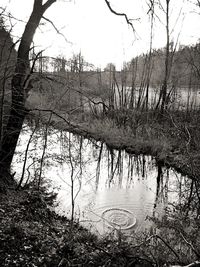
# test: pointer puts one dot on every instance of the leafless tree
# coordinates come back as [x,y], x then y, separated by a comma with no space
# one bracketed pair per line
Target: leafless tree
[18,110]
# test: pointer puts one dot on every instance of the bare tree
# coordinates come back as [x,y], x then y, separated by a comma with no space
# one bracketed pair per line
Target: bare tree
[167,59]
[18,110]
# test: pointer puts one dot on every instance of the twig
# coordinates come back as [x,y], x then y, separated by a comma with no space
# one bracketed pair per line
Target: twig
[158,237]
[26,156]
[54,113]
[190,244]
[27,84]
[189,137]
[193,264]
[56,29]
[44,150]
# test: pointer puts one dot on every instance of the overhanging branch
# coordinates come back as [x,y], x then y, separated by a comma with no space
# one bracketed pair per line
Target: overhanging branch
[56,29]
[120,14]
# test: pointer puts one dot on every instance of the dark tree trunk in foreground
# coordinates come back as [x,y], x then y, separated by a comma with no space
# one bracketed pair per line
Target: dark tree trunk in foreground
[18,110]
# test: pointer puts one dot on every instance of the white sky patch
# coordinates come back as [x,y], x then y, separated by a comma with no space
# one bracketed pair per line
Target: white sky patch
[101,36]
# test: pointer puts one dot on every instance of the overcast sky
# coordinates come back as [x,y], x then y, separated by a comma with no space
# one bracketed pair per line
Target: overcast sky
[102,37]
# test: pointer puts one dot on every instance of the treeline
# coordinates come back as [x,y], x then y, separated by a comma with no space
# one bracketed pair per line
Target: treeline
[184,66]
[144,71]
[72,83]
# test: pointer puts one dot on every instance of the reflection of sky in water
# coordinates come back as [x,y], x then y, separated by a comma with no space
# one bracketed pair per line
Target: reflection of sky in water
[131,189]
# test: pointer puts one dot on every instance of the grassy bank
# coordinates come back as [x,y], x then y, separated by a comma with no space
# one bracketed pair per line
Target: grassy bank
[32,235]
[172,139]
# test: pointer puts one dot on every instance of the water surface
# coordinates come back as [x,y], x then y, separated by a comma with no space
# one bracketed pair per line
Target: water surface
[104,188]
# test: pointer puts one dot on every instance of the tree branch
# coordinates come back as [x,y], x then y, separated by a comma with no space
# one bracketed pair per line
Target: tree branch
[120,14]
[48,4]
[56,29]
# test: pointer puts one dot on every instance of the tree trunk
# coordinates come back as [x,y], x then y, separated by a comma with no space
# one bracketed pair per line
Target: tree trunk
[167,61]
[18,110]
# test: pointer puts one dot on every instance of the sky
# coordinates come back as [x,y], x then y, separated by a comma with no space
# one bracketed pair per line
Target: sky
[88,26]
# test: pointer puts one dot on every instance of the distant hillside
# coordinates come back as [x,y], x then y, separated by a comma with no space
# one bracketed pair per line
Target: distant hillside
[184,67]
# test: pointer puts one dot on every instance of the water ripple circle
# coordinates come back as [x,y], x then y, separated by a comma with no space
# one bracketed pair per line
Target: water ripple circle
[119,218]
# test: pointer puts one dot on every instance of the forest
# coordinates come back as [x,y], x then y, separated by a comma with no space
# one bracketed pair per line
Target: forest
[99,166]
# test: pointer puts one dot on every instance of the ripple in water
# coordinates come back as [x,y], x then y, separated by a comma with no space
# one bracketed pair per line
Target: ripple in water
[119,218]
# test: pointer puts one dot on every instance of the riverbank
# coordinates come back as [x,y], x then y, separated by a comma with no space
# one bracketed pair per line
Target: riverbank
[172,140]
[32,234]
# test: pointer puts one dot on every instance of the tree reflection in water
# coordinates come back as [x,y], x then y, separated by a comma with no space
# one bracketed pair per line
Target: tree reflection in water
[91,178]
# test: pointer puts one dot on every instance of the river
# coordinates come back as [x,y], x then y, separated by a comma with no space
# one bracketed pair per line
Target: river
[109,189]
